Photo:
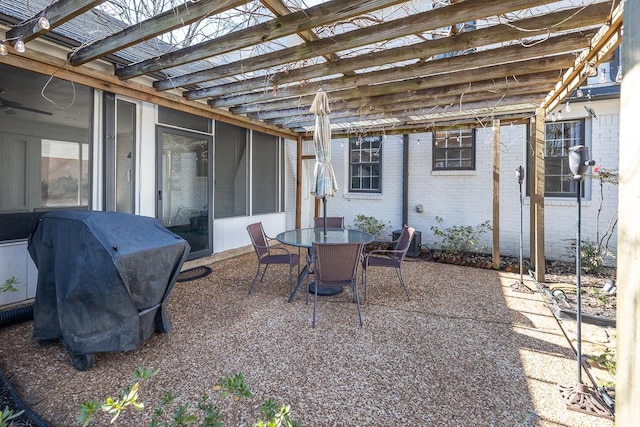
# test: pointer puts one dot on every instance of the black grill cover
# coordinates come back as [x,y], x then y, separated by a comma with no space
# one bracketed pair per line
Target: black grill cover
[104,279]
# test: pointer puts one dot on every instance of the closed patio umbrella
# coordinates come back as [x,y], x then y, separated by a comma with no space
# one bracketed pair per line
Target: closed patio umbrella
[324,183]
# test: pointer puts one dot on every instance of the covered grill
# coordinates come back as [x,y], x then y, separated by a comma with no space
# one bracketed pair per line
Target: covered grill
[104,280]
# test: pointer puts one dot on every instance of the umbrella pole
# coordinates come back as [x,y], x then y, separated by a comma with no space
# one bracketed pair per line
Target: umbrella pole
[324,216]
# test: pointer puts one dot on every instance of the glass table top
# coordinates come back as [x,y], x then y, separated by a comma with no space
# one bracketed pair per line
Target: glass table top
[305,237]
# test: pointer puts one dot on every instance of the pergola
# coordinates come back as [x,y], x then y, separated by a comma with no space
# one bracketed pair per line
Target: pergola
[389,67]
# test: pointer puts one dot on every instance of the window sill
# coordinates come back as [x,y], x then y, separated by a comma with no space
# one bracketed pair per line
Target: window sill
[362,196]
[560,201]
[454,173]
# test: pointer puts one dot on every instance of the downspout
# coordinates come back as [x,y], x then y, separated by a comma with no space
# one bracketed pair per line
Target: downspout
[405,179]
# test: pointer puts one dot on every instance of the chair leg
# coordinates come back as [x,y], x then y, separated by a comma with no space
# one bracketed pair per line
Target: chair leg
[253,282]
[315,303]
[355,291]
[406,291]
[364,279]
[265,270]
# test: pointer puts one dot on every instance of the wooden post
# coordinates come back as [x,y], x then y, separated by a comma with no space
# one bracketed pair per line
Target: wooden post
[496,194]
[628,274]
[536,194]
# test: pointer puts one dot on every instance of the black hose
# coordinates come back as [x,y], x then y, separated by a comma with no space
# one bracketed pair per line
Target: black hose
[16,315]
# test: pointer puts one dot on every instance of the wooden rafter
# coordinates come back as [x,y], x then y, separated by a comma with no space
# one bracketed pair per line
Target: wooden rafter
[278,27]
[278,8]
[460,12]
[177,17]
[401,79]
[462,89]
[422,105]
[565,20]
[57,14]
[608,37]
[412,70]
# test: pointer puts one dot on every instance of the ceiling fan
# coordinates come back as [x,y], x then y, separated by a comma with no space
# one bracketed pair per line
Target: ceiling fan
[9,107]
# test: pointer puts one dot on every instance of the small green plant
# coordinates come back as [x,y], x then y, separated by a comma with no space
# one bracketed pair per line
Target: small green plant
[233,386]
[8,285]
[607,360]
[275,417]
[600,296]
[460,239]
[7,415]
[184,415]
[370,225]
[114,407]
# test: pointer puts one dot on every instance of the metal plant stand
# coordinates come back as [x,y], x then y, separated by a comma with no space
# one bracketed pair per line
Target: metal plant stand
[580,397]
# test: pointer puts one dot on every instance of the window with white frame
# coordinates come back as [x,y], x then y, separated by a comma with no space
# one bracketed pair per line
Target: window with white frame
[454,149]
[559,136]
[365,164]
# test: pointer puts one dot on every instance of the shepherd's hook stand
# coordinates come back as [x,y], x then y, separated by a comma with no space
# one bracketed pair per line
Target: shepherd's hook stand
[579,397]
[520,286]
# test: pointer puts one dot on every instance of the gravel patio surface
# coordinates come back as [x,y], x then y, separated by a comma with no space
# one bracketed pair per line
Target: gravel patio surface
[466,350]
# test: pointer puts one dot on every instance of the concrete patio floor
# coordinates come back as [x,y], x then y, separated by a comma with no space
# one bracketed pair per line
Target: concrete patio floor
[465,350]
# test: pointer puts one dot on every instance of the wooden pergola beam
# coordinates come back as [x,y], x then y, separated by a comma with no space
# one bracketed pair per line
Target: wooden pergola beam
[495,255]
[48,65]
[536,194]
[437,18]
[57,14]
[435,125]
[293,23]
[427,105]
[606,40]
[558,21]
[404,80]
[278,8]
[164,22]
[420,99]
[478,117]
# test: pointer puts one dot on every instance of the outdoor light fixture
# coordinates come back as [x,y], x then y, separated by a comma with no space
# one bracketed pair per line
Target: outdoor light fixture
[590,70]
[520,174]
[567,108]
[603,76]
[619,74]
[579,397]
[42,24]
[3,49]
[19,46]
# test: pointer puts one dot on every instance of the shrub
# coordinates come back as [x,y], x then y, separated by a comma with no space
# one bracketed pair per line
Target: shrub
[459,239]
[593,257]
[370,225]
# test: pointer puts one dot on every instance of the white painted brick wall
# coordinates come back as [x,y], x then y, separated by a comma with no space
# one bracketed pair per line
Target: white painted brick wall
[465,197]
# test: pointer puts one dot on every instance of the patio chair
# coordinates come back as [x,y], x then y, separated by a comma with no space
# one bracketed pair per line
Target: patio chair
[389,257]
[266,255]
[332,221]
[336,265]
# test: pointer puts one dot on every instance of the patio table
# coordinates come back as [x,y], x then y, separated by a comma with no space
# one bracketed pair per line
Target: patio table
[306,237]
